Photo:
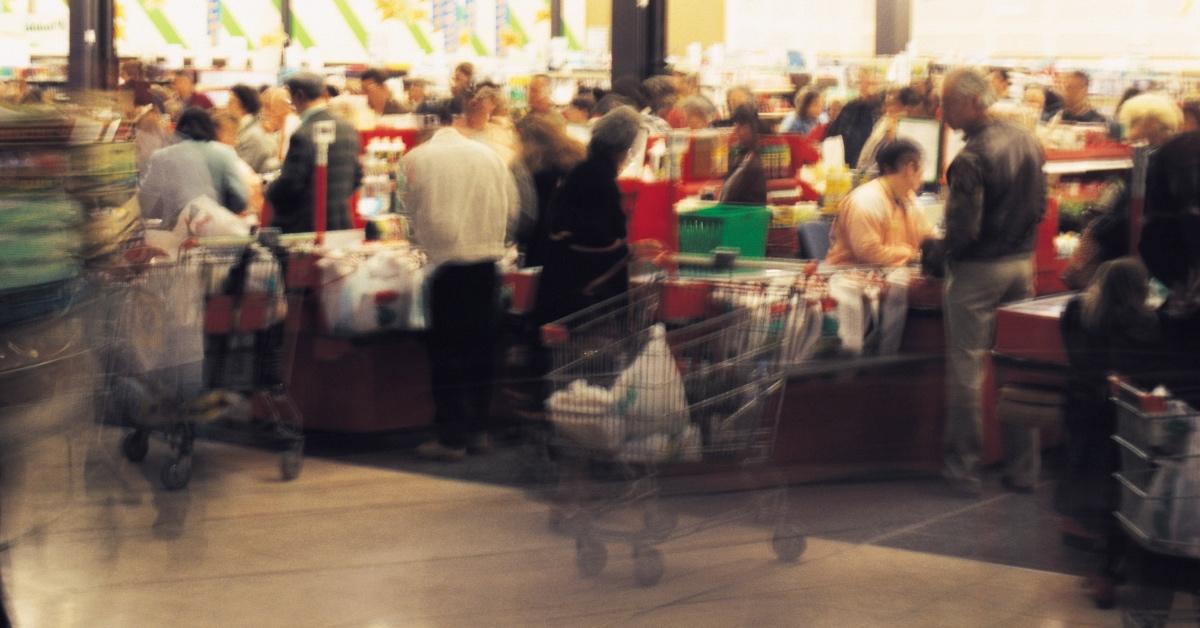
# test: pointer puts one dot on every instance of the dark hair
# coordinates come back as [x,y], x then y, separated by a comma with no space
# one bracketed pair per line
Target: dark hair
[248,98]
[584,102]
[195,124]
[1003,72]
[909,97]
[806,98]
[1170,247]
[631,88]
[1191,108]
[374,75]
[612,101]
[467,68]
[187,73]
[1081,75]
[746,114]
[332,91]
[309,86]
[660,92]
[896,154]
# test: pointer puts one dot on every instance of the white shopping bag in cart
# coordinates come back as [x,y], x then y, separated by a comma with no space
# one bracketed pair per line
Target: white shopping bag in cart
[584,415]
[164,315]
[204,217]
[650,391]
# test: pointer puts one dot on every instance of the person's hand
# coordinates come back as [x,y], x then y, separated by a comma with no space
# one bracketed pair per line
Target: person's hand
[647,250]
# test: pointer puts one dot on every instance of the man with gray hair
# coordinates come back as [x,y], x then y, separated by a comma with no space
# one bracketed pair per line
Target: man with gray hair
[997,199]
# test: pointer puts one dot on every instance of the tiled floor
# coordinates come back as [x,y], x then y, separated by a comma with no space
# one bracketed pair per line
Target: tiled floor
[378,540]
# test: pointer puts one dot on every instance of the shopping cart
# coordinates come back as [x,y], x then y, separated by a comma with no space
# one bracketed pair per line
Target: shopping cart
[624,410]
[196,338]
[1159,482]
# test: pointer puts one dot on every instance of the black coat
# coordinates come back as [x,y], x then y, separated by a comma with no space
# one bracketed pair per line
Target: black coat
[1087,491]
[585,251]
[292,194]
[854,124]
[546,185]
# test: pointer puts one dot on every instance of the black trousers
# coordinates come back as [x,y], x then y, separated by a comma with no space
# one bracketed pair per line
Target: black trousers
[463,330]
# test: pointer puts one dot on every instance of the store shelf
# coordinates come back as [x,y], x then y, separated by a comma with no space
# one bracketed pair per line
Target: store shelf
[1087,165]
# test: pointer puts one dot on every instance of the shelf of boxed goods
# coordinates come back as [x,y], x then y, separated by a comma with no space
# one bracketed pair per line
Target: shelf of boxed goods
[1059,163]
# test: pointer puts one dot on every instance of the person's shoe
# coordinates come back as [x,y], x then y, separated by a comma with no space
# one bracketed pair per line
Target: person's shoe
[1012,487]
[433,450]
[480,445]
[964,486]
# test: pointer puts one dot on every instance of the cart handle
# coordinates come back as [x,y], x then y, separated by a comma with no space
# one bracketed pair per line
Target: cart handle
[1147,402]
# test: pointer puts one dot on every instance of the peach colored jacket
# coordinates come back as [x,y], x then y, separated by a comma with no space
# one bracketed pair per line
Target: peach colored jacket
[871,228]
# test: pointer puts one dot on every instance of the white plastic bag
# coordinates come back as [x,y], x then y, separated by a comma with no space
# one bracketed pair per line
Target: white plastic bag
[584,414]
[379,293]
[851,315]
[1184,518]
[650,391]
[204,217]
[895,312]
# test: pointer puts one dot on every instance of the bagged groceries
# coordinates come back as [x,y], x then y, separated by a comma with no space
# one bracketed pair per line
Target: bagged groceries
[377,292]
[204,217]
[643,418]
[584,414]
[650,393]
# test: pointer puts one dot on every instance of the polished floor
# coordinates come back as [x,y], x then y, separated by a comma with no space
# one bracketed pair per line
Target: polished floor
[376,539]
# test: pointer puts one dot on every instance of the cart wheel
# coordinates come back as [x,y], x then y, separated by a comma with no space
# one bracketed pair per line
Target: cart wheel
[590,557]
[788,543]
[177,474]
[135,445]
[648,566]
[660,521]
[291,462]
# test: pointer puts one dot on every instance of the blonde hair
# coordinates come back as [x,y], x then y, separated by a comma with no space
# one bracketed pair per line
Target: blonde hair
[545,144]
[1157,107]
[1116,298]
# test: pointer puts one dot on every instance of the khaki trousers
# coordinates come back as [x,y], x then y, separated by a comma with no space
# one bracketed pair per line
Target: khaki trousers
[973,292]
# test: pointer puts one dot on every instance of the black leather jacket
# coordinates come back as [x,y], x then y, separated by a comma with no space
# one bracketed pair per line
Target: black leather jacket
[997,194]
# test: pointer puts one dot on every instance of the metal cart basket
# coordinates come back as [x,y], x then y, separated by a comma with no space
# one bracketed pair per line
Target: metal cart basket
[1159,485]
[634,391]
[189,333]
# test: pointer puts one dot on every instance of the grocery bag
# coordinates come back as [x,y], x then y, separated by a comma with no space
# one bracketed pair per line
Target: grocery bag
[649,393]
[204,217]
[894,312]
[584,415]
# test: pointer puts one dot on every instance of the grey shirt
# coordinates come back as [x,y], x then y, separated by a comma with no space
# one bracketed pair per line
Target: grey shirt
[177,175]
[256,147]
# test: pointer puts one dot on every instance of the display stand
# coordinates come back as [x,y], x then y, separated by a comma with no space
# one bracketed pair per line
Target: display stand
[369,384]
